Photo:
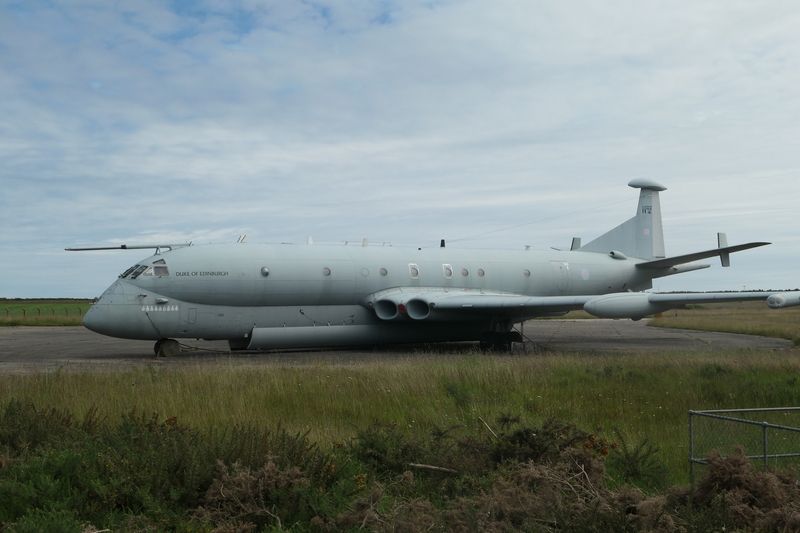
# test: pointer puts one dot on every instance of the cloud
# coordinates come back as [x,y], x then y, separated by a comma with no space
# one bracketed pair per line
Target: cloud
[499,124]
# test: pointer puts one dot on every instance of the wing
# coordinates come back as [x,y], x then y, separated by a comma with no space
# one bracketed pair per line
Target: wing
[438,304]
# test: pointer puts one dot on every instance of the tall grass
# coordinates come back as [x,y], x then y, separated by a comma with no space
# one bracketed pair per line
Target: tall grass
[751,318]
[644,396]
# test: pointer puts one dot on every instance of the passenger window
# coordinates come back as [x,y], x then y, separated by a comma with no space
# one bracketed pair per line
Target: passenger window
[447,271]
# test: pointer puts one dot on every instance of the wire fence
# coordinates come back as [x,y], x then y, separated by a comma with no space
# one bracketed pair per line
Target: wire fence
[24,312]
[769,437]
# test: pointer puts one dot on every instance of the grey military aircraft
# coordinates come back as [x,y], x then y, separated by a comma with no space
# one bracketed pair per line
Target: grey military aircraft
[301,296]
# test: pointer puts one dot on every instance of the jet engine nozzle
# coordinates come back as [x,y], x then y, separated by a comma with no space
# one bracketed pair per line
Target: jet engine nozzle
[418,309]
[783,299]
[386,309]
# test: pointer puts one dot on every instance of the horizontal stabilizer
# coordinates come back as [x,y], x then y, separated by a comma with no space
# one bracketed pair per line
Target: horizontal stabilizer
[688,258]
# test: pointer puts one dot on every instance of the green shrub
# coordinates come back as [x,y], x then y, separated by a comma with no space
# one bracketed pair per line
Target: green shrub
[385,449]
[48,521]
[24,428]
[142,473]
[637,464]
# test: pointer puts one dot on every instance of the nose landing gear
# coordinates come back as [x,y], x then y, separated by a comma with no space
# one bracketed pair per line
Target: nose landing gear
[166,347]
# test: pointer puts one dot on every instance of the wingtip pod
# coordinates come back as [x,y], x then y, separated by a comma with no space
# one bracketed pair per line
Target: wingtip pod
[783,299]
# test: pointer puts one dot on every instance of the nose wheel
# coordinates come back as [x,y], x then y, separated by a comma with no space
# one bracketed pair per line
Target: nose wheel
[166,347]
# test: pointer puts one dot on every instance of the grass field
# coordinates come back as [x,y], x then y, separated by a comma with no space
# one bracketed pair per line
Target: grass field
[328,445]
[42,312]
[645,397]
[752,318]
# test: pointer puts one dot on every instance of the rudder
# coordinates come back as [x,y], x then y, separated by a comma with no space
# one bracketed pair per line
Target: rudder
[641,236]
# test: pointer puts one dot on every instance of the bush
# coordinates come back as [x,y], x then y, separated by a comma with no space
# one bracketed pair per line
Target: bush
[636,464]
[24,428]
[240,497]
[50,521]
[147,474]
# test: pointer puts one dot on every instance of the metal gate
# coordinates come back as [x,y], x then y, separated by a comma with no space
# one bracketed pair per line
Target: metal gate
[768,436]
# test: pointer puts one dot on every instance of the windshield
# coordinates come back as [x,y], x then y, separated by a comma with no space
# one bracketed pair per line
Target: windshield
[158,269]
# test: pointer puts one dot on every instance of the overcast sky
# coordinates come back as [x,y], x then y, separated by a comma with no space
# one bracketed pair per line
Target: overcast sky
[492,124]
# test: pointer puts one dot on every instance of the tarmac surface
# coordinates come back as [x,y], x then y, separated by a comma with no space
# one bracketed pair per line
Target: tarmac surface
[37,349]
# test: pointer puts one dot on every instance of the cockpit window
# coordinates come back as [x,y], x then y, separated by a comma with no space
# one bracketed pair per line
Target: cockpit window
[139,269]
[131,269]
[156,270]
[159,269]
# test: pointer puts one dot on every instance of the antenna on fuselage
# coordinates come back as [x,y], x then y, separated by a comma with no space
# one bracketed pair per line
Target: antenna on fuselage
[241,238]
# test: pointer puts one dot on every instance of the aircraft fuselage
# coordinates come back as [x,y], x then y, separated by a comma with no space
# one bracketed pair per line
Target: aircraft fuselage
[235,291]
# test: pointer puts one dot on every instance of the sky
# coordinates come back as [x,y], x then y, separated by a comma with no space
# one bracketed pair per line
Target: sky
[492,124]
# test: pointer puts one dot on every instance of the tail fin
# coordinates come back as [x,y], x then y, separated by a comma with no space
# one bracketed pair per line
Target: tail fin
[641,236]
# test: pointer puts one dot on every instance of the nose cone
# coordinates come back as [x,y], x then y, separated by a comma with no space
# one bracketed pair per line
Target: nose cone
[118,313]
[96,320]
[100,316]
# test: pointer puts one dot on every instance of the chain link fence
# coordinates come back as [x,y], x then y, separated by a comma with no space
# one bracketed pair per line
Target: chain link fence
[769,437]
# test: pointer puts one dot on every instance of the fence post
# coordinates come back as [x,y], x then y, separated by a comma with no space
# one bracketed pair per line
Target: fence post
[691,448]
[764,428]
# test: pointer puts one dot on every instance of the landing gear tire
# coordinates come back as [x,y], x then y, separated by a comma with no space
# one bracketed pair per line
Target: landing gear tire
[166,348]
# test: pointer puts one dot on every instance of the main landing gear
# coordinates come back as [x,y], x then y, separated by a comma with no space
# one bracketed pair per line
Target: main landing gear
[166,347]
[497,341]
